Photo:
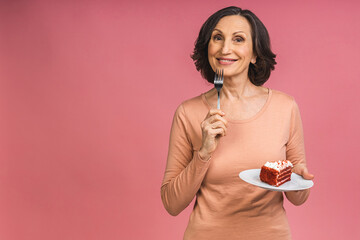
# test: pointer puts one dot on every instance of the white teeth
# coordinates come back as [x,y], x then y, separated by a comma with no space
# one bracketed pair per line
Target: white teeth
[223,60]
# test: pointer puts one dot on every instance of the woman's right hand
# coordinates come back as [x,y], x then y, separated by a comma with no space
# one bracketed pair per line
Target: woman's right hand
[213,127]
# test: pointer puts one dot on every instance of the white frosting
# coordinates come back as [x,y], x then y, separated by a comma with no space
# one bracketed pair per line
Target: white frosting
[279,165]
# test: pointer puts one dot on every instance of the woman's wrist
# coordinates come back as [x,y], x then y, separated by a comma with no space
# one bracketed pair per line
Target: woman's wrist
[203,155]
[298,197]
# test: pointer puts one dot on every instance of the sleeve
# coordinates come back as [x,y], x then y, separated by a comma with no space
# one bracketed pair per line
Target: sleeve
[295,152]
[185,170]
[295,149]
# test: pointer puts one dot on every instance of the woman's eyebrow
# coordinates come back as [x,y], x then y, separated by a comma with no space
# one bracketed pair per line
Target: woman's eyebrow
[215,29]
[239,32]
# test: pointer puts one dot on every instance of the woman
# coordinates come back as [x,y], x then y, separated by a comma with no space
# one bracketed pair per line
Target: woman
[209,147]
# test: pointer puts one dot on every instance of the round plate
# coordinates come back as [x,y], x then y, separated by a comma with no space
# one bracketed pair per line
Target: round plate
[296,183]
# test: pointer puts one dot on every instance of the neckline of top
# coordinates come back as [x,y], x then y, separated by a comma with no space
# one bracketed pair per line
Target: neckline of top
[259,113]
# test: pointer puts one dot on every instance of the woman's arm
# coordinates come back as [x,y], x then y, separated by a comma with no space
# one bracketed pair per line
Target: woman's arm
[185,168]
[295,152]
[178,191]
[299,197]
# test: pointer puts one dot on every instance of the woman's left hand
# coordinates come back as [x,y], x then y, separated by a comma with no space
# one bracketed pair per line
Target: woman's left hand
[302,170]
[299,197]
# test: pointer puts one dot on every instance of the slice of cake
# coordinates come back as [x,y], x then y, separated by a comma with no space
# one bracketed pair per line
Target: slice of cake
[276,173]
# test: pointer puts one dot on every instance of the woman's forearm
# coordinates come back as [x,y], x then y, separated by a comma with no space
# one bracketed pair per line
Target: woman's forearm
[298,197]
[179,190]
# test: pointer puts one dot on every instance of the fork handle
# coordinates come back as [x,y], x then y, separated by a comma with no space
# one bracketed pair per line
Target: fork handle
[218,102]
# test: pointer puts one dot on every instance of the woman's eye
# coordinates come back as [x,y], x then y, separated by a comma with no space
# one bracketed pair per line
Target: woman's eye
[239,39]
[217,37]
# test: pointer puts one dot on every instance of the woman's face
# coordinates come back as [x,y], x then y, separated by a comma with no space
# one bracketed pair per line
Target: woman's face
[230,46]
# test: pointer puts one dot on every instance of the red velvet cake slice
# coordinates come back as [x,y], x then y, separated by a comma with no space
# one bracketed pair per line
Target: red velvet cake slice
[276,173]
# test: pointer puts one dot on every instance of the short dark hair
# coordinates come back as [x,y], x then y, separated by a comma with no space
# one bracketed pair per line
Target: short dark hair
[259,72]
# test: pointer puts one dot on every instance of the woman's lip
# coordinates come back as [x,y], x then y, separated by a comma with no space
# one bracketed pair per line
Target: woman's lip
[222,58]
[226,61]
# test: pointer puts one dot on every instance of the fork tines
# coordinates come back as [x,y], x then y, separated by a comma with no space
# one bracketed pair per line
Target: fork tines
[219,79]
[218,82]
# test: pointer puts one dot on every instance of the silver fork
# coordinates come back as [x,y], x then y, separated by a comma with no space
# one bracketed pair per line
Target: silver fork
[218,82]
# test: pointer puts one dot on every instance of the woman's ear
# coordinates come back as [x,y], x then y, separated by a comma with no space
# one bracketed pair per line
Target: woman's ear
[253,60]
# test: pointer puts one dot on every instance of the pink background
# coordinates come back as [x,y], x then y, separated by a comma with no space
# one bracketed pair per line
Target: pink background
[89,88]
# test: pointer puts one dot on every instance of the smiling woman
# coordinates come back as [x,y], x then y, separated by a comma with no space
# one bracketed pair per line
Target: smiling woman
[250,30]
[209,147]
[230,48]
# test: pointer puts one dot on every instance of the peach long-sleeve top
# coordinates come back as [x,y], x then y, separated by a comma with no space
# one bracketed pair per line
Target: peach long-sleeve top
[226,207]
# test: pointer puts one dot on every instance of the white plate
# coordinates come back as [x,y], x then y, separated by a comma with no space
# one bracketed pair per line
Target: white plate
[296,183]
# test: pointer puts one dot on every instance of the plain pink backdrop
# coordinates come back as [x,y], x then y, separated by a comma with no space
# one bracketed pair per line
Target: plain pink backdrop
[89,88]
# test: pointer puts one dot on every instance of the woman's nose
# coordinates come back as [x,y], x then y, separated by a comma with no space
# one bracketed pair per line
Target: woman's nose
[226,48]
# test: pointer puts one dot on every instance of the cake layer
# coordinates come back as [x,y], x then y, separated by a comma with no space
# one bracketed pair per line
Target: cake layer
[274,176]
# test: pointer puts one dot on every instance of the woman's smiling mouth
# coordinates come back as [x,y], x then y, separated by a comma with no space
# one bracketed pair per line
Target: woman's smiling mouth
[226,61]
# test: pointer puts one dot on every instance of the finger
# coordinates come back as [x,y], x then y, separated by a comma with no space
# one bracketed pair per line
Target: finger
[213,119]
[214,111]
[306,175]
[218,132]
[218,124]
[216,118]
[302,171]
[214,129]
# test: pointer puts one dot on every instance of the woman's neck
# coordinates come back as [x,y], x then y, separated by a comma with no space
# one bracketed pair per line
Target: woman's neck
[238,88]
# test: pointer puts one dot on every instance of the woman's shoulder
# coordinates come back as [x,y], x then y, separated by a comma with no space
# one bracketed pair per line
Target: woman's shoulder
[282,97]
[193,107]
[282,101]
[194,102]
